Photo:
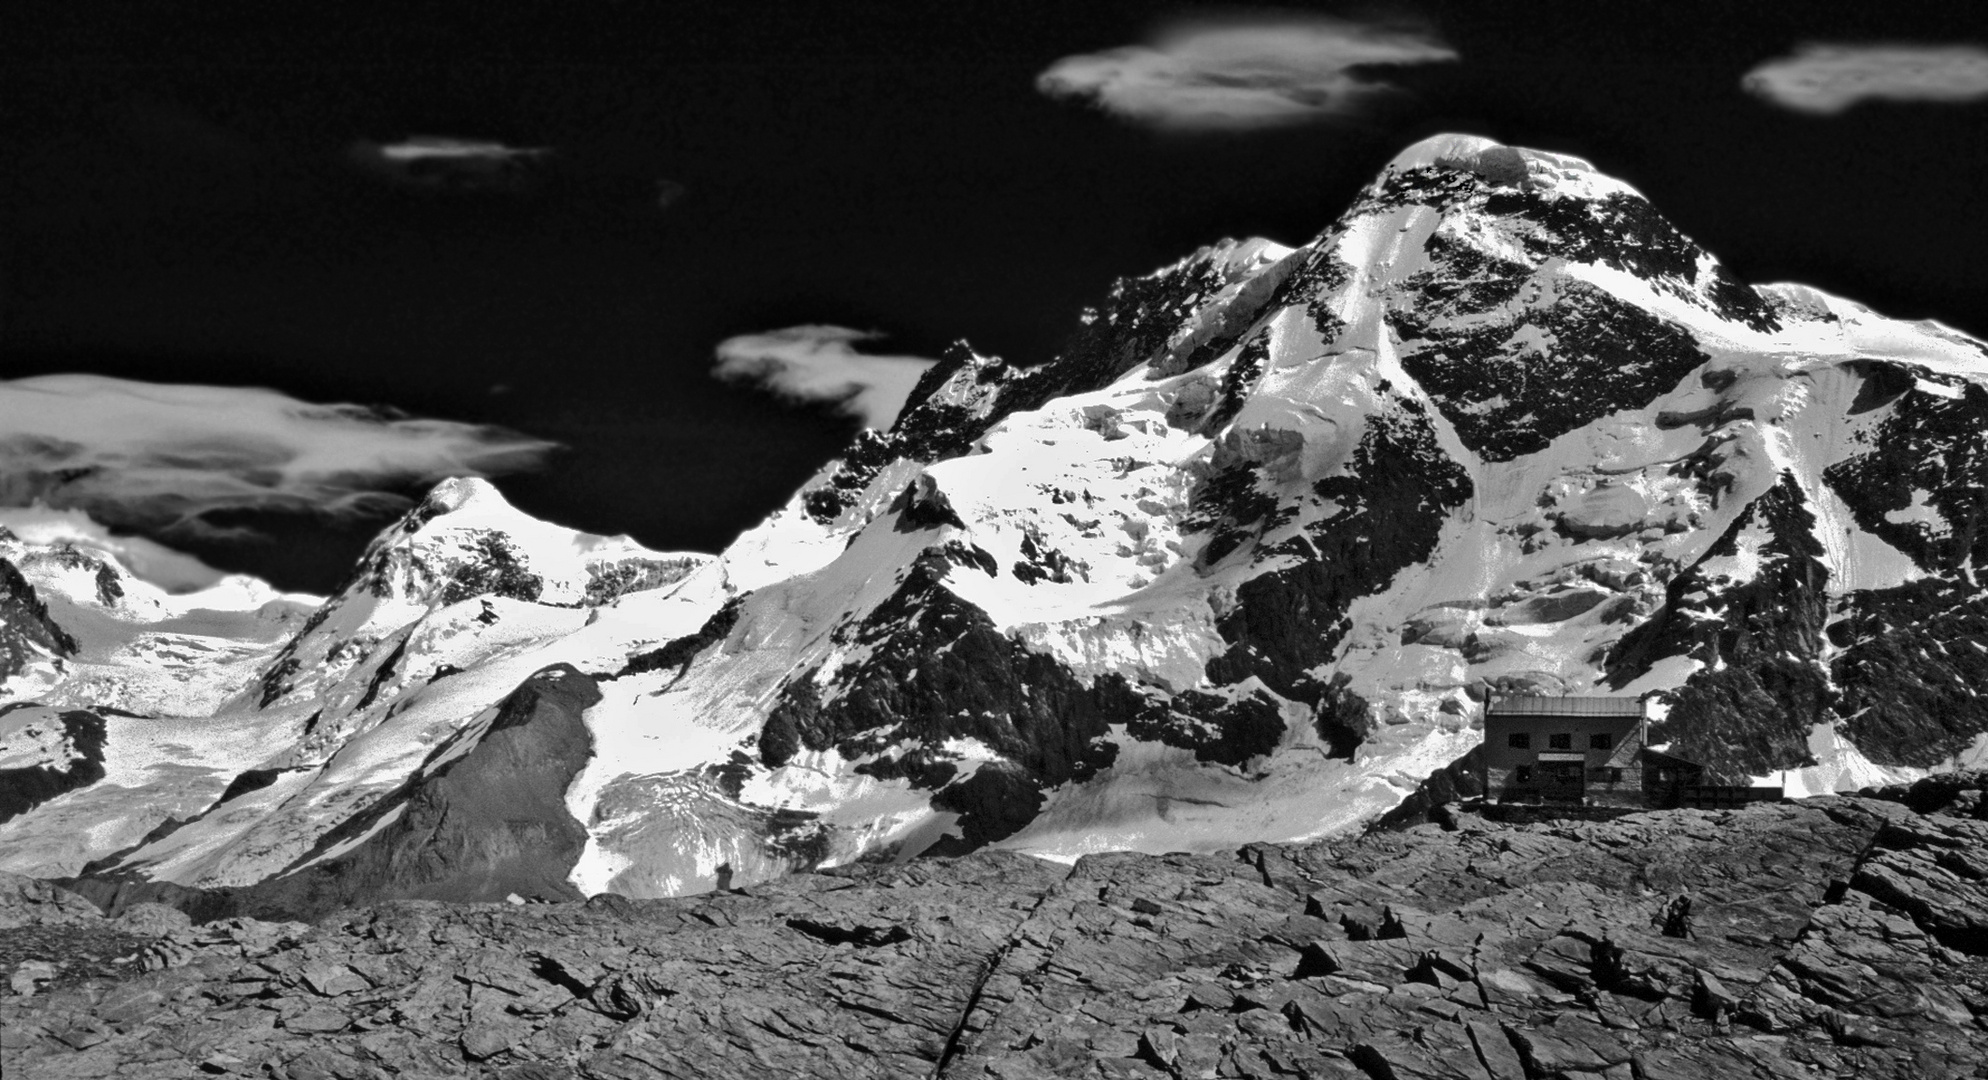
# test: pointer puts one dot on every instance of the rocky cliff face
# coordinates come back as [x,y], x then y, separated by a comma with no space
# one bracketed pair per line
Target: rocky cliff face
[1240,564]
[483,819]
[44,753]
[1843,936]
[27,635]
[244,733]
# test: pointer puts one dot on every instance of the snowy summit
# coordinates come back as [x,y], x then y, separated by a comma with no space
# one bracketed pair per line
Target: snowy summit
[1242,564]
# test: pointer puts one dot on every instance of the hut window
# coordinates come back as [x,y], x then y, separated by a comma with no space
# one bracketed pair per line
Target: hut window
[1615,776]
[1562,741]
[1519,740]
[1601,741]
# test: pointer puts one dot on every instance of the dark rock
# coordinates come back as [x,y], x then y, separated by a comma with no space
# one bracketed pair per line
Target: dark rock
[1390,510]
[1217,727]
[1761,686]
[1315,960]
[1431,798]
[26,629]
[996,802]
[619,907]
[1710,997]
[24,788]
[26,901]
[1512,385]
[1525,952]
[481,826]
[679,652]
[494,569]
[867,937]
[607,582]
[1912,667]
[252,780]
[1915,657]
[939,669]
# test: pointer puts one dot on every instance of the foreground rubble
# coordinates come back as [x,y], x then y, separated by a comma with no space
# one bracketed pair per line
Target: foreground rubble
[1840,936]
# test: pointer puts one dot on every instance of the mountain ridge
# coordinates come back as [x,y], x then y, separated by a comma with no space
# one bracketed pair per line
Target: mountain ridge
[1240,565]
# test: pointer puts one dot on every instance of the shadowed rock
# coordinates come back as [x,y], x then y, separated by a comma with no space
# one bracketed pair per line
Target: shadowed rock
[1507,952]
[484,826]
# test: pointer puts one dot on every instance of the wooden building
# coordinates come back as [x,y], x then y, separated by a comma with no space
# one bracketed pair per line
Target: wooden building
[1577,750]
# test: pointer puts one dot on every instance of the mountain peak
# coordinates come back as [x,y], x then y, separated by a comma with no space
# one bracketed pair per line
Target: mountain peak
[1240,564]
[1501,165]
[1449,150]
[465,540]
[467,497]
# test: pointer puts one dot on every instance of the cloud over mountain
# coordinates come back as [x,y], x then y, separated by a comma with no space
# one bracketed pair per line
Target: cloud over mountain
[1231,75]
[1827,79]
[820,364]
[159,456]
[430,161]
[148,560]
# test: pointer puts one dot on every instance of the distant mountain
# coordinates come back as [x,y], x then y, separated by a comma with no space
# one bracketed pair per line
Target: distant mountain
[1240,565]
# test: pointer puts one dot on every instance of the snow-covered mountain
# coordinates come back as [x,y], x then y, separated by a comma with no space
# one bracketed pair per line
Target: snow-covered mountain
[1239,565]
[242,725]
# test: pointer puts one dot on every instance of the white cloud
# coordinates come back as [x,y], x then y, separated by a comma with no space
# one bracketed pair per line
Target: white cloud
[426,147]
[173,571]
[442,162]
[1238,75]
[156,456]
[1827,79]
[818,363]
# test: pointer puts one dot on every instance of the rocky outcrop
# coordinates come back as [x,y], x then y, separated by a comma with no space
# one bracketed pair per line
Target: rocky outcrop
[1915,656]
[938,669]
[1513,374]
[26,631]
[1434,799]
[1761,686]
[26,901]
[48,753]
[1287,623]
[1842,936]
[486,825]
[486,819]
[1914,669]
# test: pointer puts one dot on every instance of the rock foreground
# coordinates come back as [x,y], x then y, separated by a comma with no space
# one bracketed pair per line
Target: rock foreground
[1840,936]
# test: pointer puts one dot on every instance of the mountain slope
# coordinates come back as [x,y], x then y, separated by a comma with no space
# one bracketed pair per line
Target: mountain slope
[241,727]
[1239,565]
[1239,575]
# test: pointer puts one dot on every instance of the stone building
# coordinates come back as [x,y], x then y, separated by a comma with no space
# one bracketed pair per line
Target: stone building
[1593,751]
[1579,750]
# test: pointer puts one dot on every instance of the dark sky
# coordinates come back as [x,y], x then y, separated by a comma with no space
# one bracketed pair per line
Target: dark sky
[180,204]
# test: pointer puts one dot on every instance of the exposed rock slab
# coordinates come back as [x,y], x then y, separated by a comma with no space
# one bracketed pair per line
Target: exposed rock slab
[487,825]
[1825,938]
[485,820]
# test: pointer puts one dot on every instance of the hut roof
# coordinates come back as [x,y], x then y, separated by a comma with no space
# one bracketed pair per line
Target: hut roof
[1544,705]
